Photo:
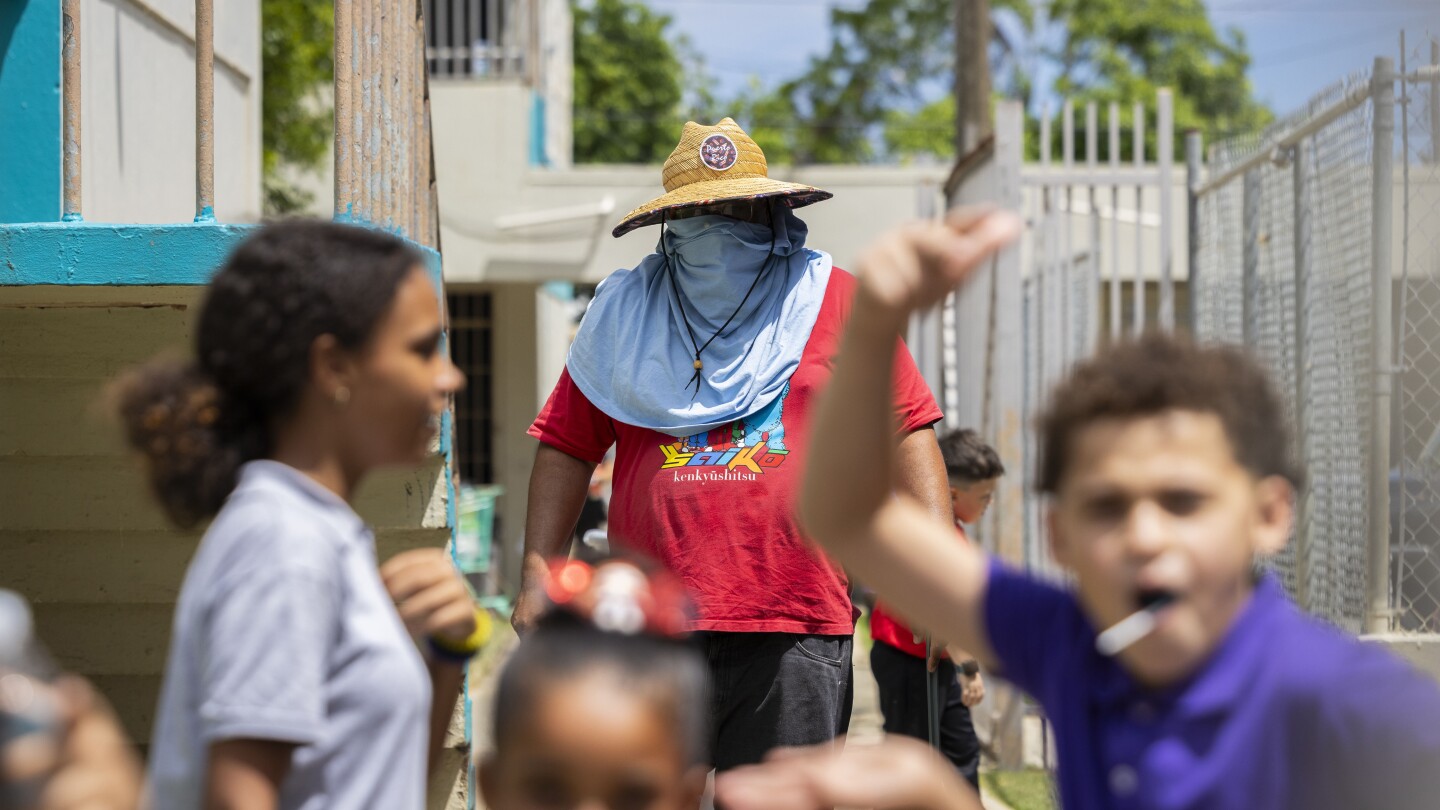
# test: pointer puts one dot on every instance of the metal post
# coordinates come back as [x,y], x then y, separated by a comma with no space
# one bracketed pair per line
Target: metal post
[1435,104]
[1011,377]
[1067,250]
[388,165]
[1377,591]
[204,111]
[1044,292]
[1092,287]
[1300,168]
[418,189]
[1137,149]
[444,63]
[1250,269]
[70,54]
[1165,143]
[374,113]
[1192,229]
[430,206]
[344,69]
[1116,321]
[496,39]
[357,97]
[365,161]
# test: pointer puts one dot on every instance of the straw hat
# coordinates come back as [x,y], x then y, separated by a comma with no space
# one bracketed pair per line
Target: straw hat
[713,164]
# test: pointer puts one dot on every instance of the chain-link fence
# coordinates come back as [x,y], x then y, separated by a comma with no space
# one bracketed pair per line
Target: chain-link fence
[1284,267]
[1415,505]
[1318,248]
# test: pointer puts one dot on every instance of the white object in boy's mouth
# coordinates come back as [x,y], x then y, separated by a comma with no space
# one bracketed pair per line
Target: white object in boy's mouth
[1132,628]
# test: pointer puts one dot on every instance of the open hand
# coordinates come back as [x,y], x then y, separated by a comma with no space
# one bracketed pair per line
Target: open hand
[897,773]
[430,595]
[914,267]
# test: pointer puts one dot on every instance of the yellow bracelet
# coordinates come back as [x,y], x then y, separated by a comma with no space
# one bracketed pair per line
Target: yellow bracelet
[472,643]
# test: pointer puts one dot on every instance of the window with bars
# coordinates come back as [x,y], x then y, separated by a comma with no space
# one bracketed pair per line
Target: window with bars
[475,38]
[471,342]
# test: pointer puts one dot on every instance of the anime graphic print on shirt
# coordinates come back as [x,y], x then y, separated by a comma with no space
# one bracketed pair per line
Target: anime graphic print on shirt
[739,451]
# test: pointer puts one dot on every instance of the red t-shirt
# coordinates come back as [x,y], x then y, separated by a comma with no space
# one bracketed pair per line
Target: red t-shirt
[892,630]
[718,508]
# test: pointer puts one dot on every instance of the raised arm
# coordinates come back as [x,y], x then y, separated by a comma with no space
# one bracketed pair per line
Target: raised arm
[892,542]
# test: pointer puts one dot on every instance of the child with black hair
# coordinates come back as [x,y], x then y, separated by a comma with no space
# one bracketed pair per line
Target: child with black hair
[898,655]
[603,705]
[1173,677]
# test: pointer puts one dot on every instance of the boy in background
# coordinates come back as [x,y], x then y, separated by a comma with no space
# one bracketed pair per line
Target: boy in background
[898,653]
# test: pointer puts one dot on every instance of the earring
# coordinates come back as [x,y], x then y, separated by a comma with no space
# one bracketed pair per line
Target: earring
[342,395]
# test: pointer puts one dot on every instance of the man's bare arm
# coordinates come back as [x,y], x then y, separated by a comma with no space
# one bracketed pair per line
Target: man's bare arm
[558,485]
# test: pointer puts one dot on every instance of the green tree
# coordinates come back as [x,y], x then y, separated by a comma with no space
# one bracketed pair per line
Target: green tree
[296,44]
[889,66]
[883,56]
[1124,50]
[628,83]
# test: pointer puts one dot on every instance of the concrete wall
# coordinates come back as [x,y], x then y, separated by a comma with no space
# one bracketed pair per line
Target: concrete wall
[79,533]
[138,91]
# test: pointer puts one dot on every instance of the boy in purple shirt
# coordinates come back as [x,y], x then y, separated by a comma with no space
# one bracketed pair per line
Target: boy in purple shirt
[1170,471]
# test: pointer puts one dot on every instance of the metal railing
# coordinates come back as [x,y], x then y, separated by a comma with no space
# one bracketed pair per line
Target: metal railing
[482,38]
[1300,257]
[204,111]
[384,164]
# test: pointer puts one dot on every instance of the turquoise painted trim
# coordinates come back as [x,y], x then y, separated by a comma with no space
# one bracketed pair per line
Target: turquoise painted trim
[538,158]
[207,214]
[447,422]
[434,265]
[117,255]
[30,110]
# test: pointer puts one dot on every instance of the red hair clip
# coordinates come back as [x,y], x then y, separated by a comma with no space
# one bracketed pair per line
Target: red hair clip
[621,596]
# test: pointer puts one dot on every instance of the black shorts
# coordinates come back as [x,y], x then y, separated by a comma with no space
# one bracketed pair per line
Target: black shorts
[772,690]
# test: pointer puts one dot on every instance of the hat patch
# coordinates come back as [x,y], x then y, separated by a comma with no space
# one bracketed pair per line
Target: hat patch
[718,152]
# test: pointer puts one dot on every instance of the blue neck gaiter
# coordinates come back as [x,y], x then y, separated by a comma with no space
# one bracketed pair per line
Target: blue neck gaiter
[634,354]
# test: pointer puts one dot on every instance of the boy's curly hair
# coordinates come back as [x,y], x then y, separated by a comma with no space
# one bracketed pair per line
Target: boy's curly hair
[1157,373]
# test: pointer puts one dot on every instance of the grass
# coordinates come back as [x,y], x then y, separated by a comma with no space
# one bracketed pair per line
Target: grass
[1029,789]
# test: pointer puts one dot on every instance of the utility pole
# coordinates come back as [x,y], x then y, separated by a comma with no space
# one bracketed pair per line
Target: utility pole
[973,28]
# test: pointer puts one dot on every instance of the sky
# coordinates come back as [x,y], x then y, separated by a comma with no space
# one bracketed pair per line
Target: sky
[1297,46]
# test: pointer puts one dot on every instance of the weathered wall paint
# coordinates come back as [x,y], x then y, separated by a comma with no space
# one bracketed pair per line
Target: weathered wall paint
[90,253]
[30,110]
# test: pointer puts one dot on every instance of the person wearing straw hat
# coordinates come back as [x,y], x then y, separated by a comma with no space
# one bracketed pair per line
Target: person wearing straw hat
[701,366]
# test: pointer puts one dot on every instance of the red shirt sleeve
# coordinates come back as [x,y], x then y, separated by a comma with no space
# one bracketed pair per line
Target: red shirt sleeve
[572,424]
[915,406]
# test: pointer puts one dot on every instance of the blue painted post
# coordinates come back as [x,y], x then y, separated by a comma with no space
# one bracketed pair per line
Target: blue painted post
[30,110]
